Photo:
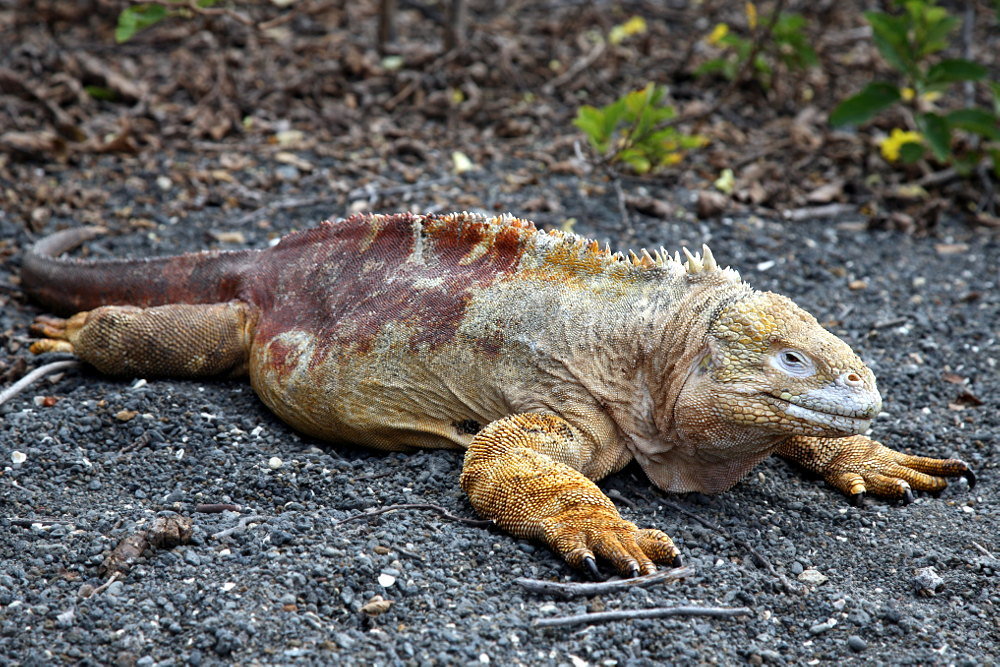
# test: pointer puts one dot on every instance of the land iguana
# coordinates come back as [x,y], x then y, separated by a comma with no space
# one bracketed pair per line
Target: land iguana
[550,361]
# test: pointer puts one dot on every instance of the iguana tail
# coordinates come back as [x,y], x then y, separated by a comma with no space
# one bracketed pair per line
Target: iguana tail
[72,285]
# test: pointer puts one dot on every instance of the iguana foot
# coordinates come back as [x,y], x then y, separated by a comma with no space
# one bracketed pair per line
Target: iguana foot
[858,465]
[529,494]
[583,534]
[55,333]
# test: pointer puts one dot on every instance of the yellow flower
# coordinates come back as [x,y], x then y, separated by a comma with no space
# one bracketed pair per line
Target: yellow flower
[751,15]
[634,26]
[718,32]
[891,145]
[907,94]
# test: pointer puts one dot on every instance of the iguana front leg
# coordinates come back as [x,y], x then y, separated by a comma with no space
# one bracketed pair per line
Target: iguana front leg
[529,494]
[858,464]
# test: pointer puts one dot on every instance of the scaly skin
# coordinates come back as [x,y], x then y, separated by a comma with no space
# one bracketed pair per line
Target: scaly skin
[551,361]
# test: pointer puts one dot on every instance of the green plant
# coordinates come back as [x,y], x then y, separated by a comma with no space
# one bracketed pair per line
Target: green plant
[139,17]
[786,43]
[908,42]
[631,130]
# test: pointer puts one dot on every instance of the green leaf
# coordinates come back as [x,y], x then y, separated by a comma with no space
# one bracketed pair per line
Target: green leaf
[636,159]
[977,121]
[890,36]
[865,105]
[995,90]
[935,129]
[101,93]
[713,66]
[136,18]
[911,151]
[591,121]
[955,69]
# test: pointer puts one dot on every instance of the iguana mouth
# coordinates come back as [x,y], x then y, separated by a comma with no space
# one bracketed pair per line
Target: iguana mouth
[837,420]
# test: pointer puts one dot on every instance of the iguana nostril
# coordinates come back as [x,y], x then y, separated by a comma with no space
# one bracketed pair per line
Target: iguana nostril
[851,379]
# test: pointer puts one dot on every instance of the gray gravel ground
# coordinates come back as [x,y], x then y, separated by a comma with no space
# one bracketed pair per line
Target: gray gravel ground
[290,587]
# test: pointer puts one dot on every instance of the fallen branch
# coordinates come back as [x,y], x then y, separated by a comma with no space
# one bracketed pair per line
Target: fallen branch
[477,523]
[241,526]
[40,372]
[572,589]
[818,212]
[216,508]
[637,614]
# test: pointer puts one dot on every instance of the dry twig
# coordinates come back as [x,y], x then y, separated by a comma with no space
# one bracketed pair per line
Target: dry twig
[636,614]
[40,372]
[240,527]
[573,589]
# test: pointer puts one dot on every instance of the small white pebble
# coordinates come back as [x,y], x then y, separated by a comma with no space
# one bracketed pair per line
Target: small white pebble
[225,552]
[179,454]
[386,580]
[274,463]
[968,510]
[228,586]
[139,384]
[483,658]
[164,183]
[18,457]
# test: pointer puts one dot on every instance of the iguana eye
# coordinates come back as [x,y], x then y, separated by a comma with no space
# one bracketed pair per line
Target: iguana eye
[794,363]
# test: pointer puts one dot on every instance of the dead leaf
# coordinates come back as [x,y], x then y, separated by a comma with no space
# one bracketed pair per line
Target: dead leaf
[33,144]
[825,194]
[953,378]
[228,237]
[951,248]
[294,160]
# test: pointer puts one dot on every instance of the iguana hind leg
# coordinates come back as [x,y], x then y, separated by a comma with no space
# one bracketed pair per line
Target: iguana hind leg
[178,340]
[857,465]
[531,495]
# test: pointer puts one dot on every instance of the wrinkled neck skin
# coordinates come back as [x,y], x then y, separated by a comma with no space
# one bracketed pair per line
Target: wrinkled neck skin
[670,422]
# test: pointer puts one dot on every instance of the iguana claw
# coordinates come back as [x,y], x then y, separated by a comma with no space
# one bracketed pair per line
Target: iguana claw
[591,565]
[970,478]
[857,499]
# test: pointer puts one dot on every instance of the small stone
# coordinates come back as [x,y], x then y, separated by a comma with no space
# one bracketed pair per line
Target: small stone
[377,605]
[17,458]
[385,580]
[812,576]
[856,643]
[822,627]
[191,558]
[926,581]
[65,619]
[228,586]
[796,568]
[274,463]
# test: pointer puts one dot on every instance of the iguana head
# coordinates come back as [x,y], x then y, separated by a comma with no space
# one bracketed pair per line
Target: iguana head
[769,364]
